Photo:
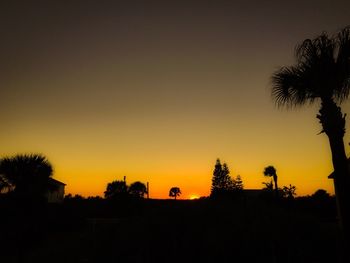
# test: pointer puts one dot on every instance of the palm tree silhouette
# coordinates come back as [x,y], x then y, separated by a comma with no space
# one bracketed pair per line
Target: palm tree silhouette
[270,171]
[26,174]
[174,192]
[322,72]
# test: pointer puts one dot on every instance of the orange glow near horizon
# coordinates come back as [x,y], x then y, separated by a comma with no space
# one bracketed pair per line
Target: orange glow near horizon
[193,197]
[157,92]
[181,151]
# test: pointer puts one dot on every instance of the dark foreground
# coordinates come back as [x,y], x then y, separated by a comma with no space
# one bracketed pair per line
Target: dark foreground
[170,231]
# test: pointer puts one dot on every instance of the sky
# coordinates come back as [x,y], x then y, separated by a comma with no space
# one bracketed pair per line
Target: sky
[158,90]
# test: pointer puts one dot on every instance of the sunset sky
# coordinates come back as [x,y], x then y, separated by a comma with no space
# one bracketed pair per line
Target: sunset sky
[157,90]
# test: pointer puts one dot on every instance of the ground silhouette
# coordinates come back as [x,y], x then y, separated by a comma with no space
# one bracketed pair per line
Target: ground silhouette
[146,230]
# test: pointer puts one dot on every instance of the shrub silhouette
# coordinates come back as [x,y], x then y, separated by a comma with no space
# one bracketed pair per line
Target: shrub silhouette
[289,191]
[321,195]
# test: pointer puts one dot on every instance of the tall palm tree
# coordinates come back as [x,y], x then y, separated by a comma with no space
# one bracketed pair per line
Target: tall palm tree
[27,174]
[322,73]
[270,171]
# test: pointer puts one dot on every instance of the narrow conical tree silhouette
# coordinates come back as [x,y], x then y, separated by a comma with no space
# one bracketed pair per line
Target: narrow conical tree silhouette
[322,73]
[216,180]
[222,182]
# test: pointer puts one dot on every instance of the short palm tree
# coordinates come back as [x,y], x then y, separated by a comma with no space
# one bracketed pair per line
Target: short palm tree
[174,192]
[270,171]
[322,73]
[26,174]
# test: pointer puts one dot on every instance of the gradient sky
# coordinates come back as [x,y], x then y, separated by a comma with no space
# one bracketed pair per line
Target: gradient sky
[157,90]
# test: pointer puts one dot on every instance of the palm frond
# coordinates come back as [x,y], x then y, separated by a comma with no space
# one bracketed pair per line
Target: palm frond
[343,64]
[269,171]
[289,87]
[322,70]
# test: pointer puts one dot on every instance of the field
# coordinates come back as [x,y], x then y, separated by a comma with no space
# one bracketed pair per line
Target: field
[173,231]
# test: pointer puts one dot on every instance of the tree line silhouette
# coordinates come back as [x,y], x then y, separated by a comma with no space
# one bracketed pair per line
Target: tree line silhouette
[119,189]
[222,183]
[25,176]
[321,73]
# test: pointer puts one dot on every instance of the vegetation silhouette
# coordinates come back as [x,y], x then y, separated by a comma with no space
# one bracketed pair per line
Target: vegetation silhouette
[5,185]
[26,176]
[120,190]
[238,184]
[174,192]
[221,181]
[268,186]
[289,191]
[98,229]
[270,171]
[138,189]
[320,194]
[23,199]
[322,72]
[116,189]
[223,186]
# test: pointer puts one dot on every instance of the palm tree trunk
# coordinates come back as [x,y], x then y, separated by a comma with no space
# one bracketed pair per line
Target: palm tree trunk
[276,187]
[333,123]
[341,180]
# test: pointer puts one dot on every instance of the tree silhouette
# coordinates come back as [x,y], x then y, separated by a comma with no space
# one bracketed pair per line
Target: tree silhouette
[116,189]
[289,191]
[221,181]
[270,171]
[321,195]
[138,189]
[322,72]
[238,183]
[216,180]
[27,174]
[174,192]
